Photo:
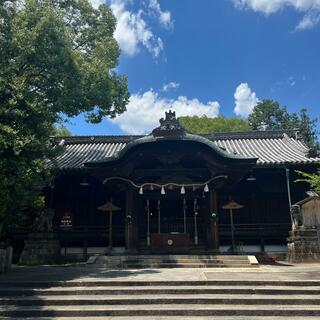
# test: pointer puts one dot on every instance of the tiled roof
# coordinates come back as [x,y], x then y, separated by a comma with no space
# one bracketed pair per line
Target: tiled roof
[272,148]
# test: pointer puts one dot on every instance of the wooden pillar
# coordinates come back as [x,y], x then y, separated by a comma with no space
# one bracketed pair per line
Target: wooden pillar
[216,225]
[131,221]
[212,234]
[234,247]
[148,222]
[184,207]
[85,224]
[159,216]
[110,232]
[195,214]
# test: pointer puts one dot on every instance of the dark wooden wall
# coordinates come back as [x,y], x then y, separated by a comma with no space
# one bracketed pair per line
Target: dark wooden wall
[265,211]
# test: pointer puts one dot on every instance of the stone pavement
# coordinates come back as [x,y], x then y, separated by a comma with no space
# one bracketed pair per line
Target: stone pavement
[81,272]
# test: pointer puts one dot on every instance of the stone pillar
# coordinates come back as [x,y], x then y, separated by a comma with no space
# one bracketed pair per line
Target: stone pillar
[2,260]
[304,245]
[8,260]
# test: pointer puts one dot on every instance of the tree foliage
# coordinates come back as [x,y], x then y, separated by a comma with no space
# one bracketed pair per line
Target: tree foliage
[61,131]
[270,115]
[307,127]
[205,125]
[57,59]
[313,179]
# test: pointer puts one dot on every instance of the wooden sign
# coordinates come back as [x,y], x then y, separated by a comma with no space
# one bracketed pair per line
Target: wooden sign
[66,221]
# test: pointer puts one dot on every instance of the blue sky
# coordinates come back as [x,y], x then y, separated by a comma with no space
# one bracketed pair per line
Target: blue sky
[212,57]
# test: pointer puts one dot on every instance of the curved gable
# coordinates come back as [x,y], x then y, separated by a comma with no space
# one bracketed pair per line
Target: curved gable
[171,130]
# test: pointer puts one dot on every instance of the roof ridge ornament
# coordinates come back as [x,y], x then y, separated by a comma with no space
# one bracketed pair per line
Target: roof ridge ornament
[169,126]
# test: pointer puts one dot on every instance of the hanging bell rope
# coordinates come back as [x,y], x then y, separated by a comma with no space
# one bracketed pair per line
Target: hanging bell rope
[169,185]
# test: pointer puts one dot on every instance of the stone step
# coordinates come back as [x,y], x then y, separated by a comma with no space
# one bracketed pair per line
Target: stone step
[180,260]
[181,256]
[163,310]
[171,261]
[158,290]
[212,299]
[170,318]
[146,300]
[132,283]
[199,250]
[182,265]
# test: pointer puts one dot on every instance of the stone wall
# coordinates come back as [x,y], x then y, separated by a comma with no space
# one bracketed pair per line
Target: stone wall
[304,238]
[304,245]
[311,213]
[41,248]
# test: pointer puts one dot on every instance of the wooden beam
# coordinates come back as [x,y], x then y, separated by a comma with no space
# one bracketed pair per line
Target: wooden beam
[179,172]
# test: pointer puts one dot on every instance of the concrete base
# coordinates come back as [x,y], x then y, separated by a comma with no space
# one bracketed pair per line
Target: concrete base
[41,248]
[304,245]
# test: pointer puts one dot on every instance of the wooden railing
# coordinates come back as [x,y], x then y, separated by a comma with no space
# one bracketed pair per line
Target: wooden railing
[174,225]
[98,235]
[92,236]
[267,233]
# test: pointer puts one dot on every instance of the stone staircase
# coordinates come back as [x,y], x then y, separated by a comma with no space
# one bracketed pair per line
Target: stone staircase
[173,261]
[222,299]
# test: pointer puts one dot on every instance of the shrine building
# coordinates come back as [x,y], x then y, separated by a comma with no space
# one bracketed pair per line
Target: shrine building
[170,189]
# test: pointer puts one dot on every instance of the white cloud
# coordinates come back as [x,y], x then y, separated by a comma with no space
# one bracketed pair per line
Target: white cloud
[290,81]
[309,21]
[132,31]
[310,8]
[170,86]
[163,16]
[245,100]
[272,6]
[145,110]
[96,3]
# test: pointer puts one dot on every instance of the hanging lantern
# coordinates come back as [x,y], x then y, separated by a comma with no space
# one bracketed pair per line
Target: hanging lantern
[183,190]
[151,187]
[141,190]
[162,190]
[206,188]
[194,188]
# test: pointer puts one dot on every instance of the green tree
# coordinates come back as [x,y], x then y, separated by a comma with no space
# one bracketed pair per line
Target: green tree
[205,125]
[61,131]
[307,127]
[57,60]
[272,116]
[313,179]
